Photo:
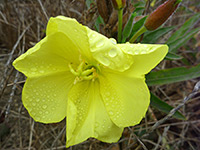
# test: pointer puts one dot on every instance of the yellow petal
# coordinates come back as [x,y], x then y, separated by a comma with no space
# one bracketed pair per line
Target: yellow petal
[146,56]
[107,52]
[91,118]
[126,97]
[45,98]
[73,30]
[52,54]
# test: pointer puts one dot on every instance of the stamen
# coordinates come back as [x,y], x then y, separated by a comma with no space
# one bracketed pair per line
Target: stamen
[72,70]
[83,72]
[80,67]
[88,72]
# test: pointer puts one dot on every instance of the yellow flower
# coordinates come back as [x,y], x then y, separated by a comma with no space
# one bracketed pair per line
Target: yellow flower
[98,85]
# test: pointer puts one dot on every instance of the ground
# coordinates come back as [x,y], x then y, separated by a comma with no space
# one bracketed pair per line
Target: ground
[23,23]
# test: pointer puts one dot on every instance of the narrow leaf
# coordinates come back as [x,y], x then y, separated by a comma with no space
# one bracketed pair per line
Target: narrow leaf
[137,26]
[164,107]
[98,22]
[173,56]
[128,27]
[152,37]
[172,75]
[184,28]
[175,45]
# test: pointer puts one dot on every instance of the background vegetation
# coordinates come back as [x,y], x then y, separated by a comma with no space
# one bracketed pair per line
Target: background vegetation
[23,23]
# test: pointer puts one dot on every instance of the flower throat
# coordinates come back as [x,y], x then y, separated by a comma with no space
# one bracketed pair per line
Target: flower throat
[84,71]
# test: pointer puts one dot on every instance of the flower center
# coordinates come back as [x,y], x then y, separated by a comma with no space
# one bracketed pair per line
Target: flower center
[84,71]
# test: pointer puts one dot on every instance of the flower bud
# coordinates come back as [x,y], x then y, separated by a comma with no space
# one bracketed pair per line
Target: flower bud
[161,14]
[118,4]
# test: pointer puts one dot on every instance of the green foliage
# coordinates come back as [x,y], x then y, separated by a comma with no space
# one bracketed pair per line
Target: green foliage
[184,29]
[173,56]
[127,29]
[137,26]
[152,37]
[98,22]
[172,75]
[181,41]
[164,107]
[88,2]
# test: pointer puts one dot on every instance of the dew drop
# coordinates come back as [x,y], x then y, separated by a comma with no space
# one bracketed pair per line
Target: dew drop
[33,69]
[99,44]
[104,60]
[129,51]
[112,40]
[112,52]
[110,112]
[137,52]
[41,71]
[126,66]
[143,52]
[44,106]
[107,93]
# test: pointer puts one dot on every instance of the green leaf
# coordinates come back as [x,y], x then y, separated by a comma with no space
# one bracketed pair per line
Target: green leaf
[88,2]
[98,22]
[128,27]
[139,10]
[152,37]
[184,28]
[137,26]
[173,56]
[172,75]
[164,107]
[175,45]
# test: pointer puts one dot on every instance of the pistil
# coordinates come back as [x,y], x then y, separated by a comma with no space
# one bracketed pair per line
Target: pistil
[83,72]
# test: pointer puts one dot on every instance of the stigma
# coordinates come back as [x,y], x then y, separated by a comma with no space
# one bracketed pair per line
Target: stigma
[84,71]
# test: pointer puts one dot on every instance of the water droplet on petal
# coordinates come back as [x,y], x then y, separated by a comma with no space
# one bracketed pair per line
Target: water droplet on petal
[112,52]
[130,51]
[110,112]
[107,93]
[33,69]
[41,71]
[44,106]
[104,60]
[126,66]
[137,52]
[99,44]
[112,40]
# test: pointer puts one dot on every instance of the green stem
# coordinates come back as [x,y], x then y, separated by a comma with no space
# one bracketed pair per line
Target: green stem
[137,34]
[120,18]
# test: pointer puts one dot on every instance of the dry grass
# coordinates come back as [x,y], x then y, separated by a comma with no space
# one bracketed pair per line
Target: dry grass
[22,24]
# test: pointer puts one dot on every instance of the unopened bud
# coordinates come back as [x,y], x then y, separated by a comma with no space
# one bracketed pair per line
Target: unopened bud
[119,4]
[161,14]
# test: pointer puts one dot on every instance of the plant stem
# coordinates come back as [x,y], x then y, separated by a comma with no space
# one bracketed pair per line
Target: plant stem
[120,18]
[137,34]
